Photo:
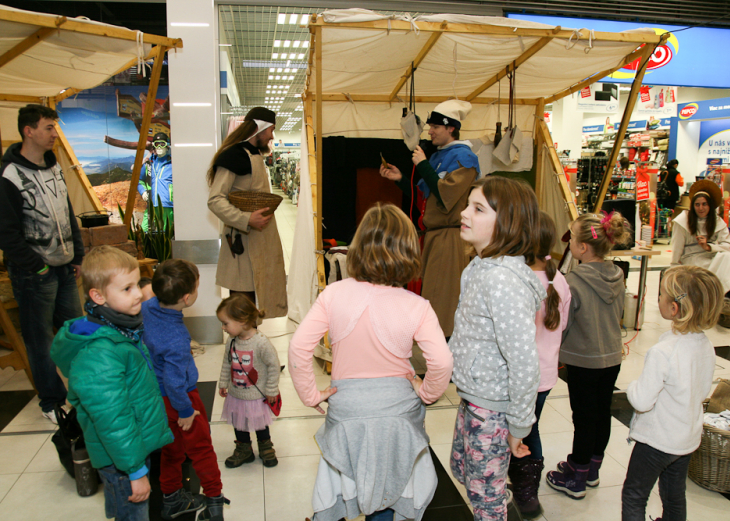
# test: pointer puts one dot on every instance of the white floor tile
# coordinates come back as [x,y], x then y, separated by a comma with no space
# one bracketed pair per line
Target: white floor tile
[17,451]
[288,488]
[244,486]
[6,483]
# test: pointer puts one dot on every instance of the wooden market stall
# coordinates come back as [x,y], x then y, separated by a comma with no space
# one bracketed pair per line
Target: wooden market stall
[361,64]
[45,59]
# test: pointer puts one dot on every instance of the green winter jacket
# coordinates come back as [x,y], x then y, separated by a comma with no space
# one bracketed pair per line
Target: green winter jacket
[113,387]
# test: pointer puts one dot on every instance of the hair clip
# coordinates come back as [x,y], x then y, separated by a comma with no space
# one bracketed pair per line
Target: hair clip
[548,257]
[550,282]
[679,298]
[593,232]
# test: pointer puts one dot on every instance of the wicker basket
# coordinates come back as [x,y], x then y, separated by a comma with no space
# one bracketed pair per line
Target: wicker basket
[710,463]
[248,201]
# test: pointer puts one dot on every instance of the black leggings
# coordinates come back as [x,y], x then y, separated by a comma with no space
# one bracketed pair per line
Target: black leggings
[591,393]
[245,436]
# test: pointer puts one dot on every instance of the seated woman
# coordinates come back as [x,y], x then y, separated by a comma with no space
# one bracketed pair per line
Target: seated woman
[692,243]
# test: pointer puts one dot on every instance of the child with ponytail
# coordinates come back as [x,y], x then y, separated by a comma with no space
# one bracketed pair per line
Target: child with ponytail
[592,347]
[551,320]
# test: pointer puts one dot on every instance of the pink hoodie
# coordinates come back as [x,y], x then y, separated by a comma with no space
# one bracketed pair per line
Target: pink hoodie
[372,329]
[548,342]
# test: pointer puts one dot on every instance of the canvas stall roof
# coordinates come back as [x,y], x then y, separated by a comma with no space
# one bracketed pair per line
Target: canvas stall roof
[366,57]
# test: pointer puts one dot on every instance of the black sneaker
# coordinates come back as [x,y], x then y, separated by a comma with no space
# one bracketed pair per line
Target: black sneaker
[179,503]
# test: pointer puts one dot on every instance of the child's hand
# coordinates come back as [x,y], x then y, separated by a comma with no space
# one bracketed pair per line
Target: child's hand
[223,392]
[272,399]
[186,423]
[140,490]
[416,382]
[518,449]
[324,396]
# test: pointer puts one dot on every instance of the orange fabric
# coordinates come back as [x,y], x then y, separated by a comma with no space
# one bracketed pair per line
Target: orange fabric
[680,180]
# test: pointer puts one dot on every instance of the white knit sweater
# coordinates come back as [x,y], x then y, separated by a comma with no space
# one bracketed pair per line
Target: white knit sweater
[668,395]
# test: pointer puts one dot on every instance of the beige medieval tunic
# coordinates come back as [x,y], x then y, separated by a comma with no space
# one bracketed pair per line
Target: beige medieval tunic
[261,266]
[445,253]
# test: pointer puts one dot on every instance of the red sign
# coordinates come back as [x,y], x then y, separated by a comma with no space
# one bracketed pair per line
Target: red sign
[642,184]
[652,216]
[688,111]
[661,56]
[585,92]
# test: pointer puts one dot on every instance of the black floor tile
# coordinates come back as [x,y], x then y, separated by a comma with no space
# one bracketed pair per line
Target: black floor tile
[11,403]
[446,495]
[563,373]
[621,409]
[723,352]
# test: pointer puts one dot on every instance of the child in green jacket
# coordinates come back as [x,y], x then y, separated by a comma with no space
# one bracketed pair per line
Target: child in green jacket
[112,384]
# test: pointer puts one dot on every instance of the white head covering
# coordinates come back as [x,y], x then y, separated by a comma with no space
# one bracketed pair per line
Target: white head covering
[260,127]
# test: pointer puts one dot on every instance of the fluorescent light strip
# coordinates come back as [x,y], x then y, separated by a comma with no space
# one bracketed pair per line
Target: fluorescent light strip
[192,144]
[189,24]
[281,18]
[293,18]
[225,45]
[191,104]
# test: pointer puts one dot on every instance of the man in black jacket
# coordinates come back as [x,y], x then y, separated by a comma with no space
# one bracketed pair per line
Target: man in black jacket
[41,244]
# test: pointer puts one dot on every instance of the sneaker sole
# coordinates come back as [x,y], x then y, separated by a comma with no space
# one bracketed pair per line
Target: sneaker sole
[269,463]
[571,494]
[249,460]
[178,514]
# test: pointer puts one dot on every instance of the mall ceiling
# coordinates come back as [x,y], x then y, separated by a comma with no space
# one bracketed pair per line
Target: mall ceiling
[252,29]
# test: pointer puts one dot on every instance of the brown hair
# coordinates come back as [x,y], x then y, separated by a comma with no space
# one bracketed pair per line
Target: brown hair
[545,240]
[241,309]
[144,281]
[101,264]
[698,293]
[456,134]
[244,131]
[515,227]
[31,115]
[601,236]
[385,249]
[174,279]
[711,221]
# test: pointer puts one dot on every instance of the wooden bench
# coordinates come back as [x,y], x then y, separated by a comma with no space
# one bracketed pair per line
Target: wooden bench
[18,359]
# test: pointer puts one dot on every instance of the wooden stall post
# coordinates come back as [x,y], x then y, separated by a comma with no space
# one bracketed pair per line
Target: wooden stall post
[321,283]
[143,130]
[539,157]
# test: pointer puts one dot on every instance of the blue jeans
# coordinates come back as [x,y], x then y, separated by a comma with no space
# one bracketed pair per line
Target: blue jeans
[532,440]
[117,489]
[381,515]
[646,465]
[44,301]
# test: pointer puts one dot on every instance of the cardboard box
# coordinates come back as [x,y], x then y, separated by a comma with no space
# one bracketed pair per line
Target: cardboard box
[110,234]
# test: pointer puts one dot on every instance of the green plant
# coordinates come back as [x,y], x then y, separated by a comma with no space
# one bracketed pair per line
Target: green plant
[155,244]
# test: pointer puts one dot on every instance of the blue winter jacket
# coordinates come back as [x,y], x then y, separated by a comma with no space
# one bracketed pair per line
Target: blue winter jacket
[159,177]
[168,340]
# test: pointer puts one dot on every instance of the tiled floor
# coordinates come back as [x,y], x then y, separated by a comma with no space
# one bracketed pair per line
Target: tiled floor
[33,483]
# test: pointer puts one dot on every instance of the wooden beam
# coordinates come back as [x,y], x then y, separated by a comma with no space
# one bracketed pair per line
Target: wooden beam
[385,98]
[81,26]
[79,171]
[143,130]
[547,139]
[318,120]
[416,62]
[16,97]
[621,132]
[313,175]
[492,30]
[539,116]
[27,44]
[542,42]
[638,53]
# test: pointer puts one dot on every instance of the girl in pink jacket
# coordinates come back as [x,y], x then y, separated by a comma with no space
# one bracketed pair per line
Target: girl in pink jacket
[372,323]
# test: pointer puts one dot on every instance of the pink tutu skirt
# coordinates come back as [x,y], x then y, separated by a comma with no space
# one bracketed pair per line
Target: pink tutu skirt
[247,415]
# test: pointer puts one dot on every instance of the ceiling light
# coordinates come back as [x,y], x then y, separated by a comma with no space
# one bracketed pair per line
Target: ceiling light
[279,70]
[293,18]
[277,43]
[296,43]
[274,56]
[289,61]
[278,77]
[287,43]
[305,19]
[268,86]
[305,43]
[272,69]
[287,87]
[287,70]
[281,18]
[268,92]
[300,56]
[225,45]
[271,77]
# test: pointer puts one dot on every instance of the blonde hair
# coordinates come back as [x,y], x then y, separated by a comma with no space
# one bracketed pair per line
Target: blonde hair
[601,236]
[385,249]
[101,264]
[240,308]
[698,293]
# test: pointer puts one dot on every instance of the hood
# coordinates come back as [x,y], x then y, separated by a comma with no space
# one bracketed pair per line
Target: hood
[67,345]
[604,278]
[517,266]
[461,142]
[13,155]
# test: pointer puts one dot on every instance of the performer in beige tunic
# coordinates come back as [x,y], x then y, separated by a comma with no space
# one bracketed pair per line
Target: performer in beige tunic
[445,179]
[255,263]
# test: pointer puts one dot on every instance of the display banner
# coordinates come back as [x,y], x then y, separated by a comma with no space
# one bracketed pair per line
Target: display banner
[637,125]
[710,109]
[642,183]
[658,102]
[714,147]
[594,129]
[599,97]
[687,59]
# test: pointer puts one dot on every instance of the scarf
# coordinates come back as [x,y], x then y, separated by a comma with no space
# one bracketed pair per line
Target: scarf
[128,325]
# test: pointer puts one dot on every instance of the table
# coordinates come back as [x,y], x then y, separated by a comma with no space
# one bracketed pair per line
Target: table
[644,254]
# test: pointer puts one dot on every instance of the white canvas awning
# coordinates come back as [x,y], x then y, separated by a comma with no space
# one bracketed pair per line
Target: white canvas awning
[359,74]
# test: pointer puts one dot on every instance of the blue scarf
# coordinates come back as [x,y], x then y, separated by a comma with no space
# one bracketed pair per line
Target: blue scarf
[448,159]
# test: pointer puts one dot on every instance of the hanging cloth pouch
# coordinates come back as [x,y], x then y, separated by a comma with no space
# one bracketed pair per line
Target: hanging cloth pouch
[509,146]
[410,124]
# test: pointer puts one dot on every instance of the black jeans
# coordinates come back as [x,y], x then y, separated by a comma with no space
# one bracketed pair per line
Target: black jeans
[645,466]
[591,392]
[44,301]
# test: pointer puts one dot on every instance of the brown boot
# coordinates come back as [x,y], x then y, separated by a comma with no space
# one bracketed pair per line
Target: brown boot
[267,453]
[242,454]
